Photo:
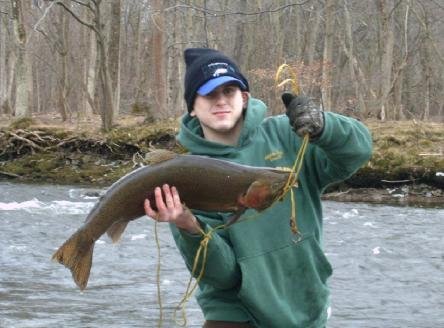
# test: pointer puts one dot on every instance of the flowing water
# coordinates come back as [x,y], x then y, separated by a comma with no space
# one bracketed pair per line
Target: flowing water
[388,266]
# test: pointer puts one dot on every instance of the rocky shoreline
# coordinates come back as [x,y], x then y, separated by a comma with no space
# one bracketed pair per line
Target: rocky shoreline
[421,195]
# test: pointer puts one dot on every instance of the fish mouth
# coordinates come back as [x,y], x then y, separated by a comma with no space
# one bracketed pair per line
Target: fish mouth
[280,188]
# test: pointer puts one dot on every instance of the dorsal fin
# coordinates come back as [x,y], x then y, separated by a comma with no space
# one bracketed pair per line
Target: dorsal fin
[158,156]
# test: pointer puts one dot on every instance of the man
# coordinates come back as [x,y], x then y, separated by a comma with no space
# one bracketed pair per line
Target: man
[258,272]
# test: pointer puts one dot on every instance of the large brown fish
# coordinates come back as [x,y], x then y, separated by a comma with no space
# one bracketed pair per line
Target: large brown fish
[203,183]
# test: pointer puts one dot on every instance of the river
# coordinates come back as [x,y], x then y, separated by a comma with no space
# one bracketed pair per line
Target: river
[388,266]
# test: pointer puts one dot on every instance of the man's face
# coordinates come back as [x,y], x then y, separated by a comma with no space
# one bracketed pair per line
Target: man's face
[220,112]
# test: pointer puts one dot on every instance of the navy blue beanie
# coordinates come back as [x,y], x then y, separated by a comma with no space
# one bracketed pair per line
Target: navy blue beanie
[206,69]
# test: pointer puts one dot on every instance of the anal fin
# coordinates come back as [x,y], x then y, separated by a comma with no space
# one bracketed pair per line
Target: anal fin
[116,230]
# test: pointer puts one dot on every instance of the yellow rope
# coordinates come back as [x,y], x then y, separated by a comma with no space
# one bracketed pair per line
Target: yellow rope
[159,296]
[292,181]
[203,249]
[293,80]
[295,170]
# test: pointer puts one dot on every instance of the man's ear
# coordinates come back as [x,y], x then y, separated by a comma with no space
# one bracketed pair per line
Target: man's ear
[193,113]
[245,97]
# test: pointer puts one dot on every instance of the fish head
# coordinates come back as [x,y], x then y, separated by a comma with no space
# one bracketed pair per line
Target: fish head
[262,193]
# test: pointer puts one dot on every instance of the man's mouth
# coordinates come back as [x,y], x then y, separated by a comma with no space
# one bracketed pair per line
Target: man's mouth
[219,113]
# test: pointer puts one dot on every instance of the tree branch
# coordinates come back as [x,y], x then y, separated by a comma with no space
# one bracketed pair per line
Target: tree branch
[44,15]
[87,5]
[220,13]
[77,18]
[427,33]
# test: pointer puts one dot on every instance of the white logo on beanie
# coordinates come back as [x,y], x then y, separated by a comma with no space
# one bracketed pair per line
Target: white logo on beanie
[220,71]
[218,68]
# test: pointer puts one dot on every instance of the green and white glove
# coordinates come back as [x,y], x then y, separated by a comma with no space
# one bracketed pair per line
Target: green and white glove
[305,117]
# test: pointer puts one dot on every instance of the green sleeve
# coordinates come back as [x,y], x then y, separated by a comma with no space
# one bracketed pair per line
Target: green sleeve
[342,148]
[221,269]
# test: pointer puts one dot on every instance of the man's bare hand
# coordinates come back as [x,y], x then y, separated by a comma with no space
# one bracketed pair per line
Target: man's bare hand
[171,209]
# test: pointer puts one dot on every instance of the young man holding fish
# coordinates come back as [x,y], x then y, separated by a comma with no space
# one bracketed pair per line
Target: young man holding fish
[258,272]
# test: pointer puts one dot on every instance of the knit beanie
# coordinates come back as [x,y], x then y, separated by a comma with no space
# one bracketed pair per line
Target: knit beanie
[207,69]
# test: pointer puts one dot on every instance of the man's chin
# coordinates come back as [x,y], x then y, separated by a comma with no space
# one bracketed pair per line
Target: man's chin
[224,128]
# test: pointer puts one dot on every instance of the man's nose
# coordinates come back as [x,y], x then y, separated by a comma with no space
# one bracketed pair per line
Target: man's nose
[220,97]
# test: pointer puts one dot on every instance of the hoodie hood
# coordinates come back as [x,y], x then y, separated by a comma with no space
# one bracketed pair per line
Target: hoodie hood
[191,136]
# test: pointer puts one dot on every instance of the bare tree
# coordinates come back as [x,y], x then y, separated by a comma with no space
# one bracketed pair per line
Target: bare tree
[158,65]
[7,60]
[90,76]
[355,72]
[327,57]
[387,41]
[106,104]
[63,85]
[114,53]
[384,57]
[21,68]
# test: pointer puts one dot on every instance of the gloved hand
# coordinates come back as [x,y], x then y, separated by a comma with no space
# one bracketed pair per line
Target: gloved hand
[304,115]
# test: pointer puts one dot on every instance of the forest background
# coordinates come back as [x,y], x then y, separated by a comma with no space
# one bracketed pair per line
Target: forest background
[377,58]
[100,64]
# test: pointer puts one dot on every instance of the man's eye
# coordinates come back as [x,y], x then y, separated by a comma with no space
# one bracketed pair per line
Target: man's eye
[229,90]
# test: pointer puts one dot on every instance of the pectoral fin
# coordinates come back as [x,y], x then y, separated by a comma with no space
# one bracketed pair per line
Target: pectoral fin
[236,215]
[258,196]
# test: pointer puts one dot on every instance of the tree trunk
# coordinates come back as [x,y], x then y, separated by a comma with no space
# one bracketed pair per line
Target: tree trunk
[293,34]
[387,42]
[114,53]
[21,70]
[239,40]
[36,103]
[106,101]
[327,57]
[158,61]
[3,65]
[63,77]
[397,96]
[105,86]
[174,65]
[311,37]
[9,102]
[140,67]
[349,51]
[427,82]
[276,46]
[134,55]
[426,69]
[87,39]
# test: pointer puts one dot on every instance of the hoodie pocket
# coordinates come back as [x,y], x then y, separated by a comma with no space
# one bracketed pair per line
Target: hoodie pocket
[286,287]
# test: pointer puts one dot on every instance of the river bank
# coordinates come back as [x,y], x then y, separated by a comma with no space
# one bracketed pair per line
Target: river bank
[407,165]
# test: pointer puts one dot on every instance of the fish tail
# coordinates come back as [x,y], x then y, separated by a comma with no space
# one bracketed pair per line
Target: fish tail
[76,254]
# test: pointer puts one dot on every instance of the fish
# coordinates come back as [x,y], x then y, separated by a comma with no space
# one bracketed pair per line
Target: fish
[204,183]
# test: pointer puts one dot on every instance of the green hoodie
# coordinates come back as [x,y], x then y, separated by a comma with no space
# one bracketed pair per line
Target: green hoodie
[257,270]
